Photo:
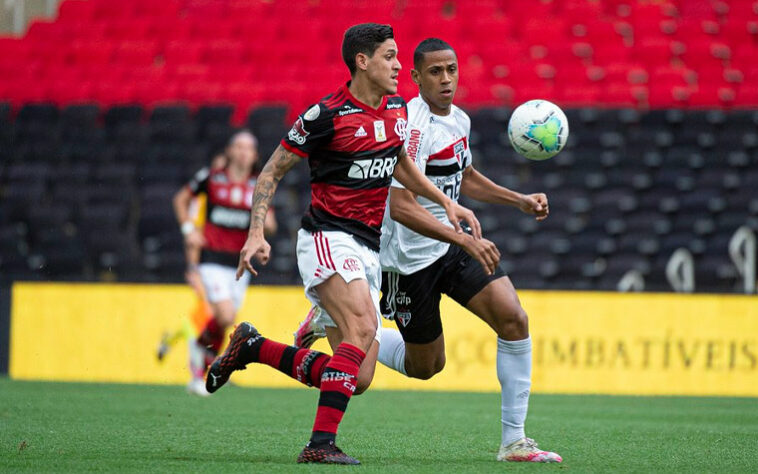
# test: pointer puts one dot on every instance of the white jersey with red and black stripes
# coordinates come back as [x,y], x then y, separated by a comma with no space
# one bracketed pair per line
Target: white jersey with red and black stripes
[439,145]
[352,150]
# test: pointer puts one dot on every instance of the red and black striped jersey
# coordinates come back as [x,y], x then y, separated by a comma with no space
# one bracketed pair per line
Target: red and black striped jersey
[352,150]
[227,214]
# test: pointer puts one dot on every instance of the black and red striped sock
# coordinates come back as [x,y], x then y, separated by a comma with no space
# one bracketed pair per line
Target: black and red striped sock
[303,365]
[212,336]
[337,386]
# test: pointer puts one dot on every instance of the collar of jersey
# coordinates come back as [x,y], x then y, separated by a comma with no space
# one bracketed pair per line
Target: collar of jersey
[346,90]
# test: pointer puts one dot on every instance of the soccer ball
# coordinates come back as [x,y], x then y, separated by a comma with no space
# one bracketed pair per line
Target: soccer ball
[538,129]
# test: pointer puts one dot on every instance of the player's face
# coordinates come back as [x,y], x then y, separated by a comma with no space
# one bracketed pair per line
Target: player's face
[437,79]
[242,151]
[383,67]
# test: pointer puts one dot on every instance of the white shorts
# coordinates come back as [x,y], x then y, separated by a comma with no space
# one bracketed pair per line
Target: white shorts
[221,284]
[322,254]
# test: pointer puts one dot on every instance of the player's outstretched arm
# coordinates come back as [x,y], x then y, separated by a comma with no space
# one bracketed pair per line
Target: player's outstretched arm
[276,167]
[477,186]
[411,177]
[407,211]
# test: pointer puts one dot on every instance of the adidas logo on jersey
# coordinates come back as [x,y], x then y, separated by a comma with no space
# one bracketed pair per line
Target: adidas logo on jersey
[376,168]
[361,133]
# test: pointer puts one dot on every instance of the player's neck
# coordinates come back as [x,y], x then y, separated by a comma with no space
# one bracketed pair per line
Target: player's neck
[363,90]
[237,174]
[436,110]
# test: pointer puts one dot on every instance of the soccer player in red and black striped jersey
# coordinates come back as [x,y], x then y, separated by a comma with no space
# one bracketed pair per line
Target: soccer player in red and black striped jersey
[353,141]
[229,191]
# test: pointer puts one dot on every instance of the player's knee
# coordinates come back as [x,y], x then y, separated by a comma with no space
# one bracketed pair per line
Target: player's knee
[513,324]
[428,370]
[362,331]
[224,316]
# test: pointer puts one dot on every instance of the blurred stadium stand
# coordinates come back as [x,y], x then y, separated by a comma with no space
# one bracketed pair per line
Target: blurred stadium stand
[105,112]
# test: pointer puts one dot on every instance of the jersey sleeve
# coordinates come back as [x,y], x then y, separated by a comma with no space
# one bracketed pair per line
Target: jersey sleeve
[312,129]
[199,182]
[416,148]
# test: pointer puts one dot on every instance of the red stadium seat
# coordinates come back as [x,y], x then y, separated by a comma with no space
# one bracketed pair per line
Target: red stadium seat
[172,48]
[76,10]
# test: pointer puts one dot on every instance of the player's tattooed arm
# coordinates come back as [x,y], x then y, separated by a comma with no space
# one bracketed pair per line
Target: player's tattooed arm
[477,186]
[276,167]
[408,174]
[281,161]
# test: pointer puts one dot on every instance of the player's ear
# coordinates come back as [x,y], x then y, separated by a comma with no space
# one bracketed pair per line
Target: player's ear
[416,77]
[361,61]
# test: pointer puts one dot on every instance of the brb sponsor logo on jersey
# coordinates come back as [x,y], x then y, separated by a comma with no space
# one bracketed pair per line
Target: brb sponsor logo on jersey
[372,169]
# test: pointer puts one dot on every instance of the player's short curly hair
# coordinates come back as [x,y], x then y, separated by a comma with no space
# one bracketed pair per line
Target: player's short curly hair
[429,45]
[363,38]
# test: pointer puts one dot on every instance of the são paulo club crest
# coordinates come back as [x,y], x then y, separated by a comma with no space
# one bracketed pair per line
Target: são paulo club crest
[403,317]
[401,128]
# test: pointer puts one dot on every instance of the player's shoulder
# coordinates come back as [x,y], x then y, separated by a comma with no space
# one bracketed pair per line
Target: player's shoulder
[418,113]
[395,101]
[332,103]
[461,116]
[202,174]
[218,175]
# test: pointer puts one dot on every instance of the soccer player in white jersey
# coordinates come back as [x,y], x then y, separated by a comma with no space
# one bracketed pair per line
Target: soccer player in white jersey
[417,269]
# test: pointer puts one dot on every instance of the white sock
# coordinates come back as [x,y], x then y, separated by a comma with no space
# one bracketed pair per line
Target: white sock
[514,371]
[196,359]
[392,350]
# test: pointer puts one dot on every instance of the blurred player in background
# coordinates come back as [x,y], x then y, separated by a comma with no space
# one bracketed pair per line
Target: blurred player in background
[199,318]
[418,269]
[353,140]
[229,192]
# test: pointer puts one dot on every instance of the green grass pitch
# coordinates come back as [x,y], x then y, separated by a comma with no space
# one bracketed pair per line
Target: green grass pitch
[61,427]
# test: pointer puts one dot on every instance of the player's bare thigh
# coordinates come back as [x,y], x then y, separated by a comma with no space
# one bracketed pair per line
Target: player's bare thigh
[224,312]
[498,305]
[351,308]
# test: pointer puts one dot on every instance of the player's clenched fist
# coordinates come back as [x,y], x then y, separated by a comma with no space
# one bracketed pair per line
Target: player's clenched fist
[535,204]
[255,246]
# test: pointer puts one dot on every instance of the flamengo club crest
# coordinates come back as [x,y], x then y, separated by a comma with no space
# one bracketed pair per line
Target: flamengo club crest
[401,128]
[351,265]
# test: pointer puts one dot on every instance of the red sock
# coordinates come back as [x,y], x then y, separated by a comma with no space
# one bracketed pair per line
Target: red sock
[303,365]
[212,336]
[337,386]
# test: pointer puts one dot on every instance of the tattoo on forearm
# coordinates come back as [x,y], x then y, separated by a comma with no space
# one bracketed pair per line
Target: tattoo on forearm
[274,170]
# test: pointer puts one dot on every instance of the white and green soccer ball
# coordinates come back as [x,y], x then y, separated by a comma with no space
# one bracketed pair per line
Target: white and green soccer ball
[538,130]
